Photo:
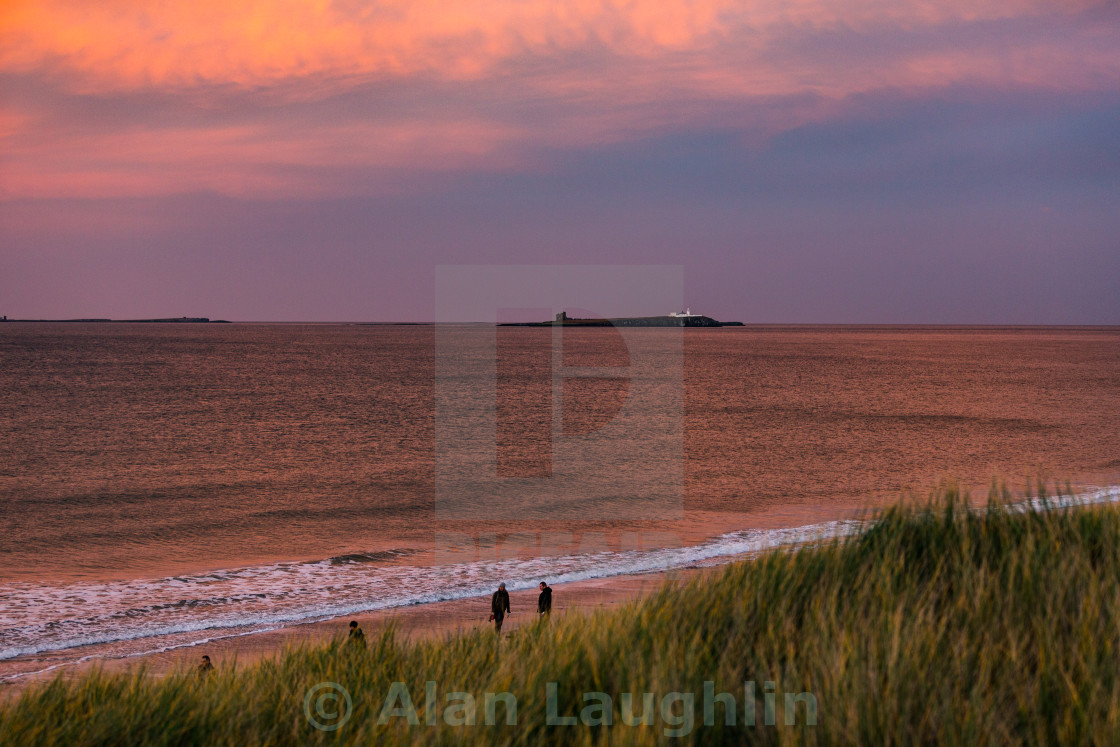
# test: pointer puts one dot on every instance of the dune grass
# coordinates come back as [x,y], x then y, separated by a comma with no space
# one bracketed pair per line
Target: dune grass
[938,624]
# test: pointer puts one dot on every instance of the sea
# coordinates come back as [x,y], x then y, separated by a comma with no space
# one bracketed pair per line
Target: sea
[166,485]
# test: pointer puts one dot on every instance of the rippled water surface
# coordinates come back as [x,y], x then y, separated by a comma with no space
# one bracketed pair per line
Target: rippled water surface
[163,483]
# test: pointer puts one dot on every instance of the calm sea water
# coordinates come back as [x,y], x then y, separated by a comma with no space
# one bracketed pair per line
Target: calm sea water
[164,484]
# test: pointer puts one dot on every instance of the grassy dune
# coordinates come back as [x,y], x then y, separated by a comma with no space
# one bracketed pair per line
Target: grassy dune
[937,624]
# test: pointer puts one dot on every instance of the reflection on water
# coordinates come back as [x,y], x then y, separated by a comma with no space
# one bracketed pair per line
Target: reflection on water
[265,473]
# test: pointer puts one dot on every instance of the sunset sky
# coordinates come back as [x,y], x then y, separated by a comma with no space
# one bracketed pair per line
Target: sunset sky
[907,161]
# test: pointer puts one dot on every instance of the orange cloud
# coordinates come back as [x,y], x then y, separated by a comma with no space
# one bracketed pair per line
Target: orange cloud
[114,44]
[605,70]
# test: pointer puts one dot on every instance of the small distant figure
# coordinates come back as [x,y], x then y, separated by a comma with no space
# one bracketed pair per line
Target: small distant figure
[356,638]
[544,601]
[499,606]
[206,667]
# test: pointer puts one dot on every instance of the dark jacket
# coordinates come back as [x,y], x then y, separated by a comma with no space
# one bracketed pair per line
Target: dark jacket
[499,603]
[544,601]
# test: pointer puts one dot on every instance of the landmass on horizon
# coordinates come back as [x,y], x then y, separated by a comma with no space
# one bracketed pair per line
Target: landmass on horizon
[168,320]
[682,319]
[678,319]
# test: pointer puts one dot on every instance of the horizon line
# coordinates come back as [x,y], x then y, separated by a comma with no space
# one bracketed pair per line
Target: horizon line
[401,323]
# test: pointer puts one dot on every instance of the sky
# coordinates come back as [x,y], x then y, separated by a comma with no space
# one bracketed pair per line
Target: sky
[803,161]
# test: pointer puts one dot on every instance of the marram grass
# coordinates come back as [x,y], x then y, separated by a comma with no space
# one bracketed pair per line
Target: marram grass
[938,624]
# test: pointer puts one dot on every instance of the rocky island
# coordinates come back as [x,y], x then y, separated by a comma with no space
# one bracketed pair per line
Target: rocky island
[678,319]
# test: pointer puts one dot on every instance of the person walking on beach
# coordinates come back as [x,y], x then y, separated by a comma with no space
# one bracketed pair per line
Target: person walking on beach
[544,601]
[499,606]
[205,667]
[356,638]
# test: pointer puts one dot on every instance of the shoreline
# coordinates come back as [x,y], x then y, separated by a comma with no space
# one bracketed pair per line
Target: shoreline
[418,622]
[429,619]
[425,620]
[896,636]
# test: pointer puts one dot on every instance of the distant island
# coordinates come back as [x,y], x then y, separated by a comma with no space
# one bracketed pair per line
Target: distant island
[678,319]
[175,320]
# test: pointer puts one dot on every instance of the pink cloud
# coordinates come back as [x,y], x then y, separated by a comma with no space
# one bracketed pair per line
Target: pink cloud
[127,44]
[603,72]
